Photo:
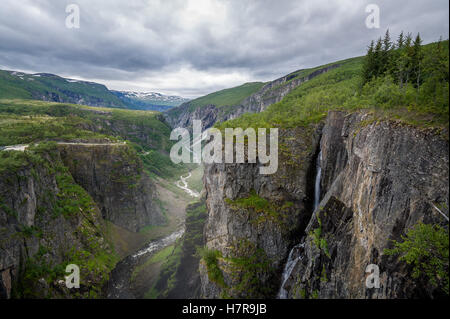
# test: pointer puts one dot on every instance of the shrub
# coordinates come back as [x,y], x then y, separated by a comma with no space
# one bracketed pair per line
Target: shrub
[425,247]
[210,257]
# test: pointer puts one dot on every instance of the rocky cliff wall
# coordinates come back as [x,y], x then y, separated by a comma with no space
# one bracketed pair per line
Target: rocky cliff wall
[254,219]
[46,222]
[54,199]
[271,93]
[113,175]
[379,180]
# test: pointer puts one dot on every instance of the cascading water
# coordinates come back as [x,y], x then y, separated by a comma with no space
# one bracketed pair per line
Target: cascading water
[317,182]
[296,253]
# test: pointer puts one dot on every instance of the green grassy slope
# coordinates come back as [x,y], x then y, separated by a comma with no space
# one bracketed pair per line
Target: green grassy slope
[231,96]
[30,121]
[17,85]
[341,89]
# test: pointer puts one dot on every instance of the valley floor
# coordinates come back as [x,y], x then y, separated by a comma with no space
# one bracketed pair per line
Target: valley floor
[139,269]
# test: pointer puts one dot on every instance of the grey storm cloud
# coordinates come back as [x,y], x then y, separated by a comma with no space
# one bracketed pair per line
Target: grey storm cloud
[192,47]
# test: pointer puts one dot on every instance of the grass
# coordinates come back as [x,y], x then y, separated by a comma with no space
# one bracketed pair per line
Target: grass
[210,258]
[260,209]
[227,97]
[246,269]
[158,257]
[152,293]
[28,86]
[84,116]
[340,89]
[195,182]
[167,276]
[26,129]
[30,121]
[161,165]
[320,242]
[167,261]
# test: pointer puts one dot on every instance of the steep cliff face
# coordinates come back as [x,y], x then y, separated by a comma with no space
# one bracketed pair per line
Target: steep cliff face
[274,92]
[54,199]
[46,222]
[183,116]
[113,175]
[379,180]
[271,93]
[254,219]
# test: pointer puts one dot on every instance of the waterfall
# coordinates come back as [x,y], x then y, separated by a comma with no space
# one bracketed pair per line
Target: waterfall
[294,256]
[296,253]
[317,182]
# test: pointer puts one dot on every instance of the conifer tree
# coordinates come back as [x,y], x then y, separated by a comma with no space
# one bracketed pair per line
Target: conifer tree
[436,74]
[378,59]
[395,57]
[405,61]
[416,61]
[400,41]
[385,63]
[368,66]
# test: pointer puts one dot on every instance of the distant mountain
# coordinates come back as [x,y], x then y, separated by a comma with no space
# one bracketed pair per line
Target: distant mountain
[207,107]
[50,87]
[149,100]
[53,88]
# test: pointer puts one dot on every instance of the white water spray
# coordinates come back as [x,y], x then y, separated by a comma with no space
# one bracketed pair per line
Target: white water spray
[296,253]
[317,182]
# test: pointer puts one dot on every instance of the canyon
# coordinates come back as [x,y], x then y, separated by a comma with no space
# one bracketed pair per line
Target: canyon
[358,173]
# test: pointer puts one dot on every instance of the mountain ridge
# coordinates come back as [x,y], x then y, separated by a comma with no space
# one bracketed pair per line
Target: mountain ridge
[54,88]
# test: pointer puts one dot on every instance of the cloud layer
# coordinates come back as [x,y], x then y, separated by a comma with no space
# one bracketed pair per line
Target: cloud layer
[193,47]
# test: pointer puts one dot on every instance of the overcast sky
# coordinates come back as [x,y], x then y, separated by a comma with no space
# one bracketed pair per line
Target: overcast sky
[194,47]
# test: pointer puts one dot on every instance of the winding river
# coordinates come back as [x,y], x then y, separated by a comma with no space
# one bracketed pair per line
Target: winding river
[182,183]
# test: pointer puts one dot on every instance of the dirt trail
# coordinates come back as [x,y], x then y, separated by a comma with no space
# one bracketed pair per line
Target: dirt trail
[23,147]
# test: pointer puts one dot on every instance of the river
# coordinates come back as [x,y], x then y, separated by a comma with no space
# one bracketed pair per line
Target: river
[182,183]
[118,286]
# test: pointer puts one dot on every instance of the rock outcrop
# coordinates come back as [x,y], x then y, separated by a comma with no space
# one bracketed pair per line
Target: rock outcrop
[46,222]
[254,219]
[113,175]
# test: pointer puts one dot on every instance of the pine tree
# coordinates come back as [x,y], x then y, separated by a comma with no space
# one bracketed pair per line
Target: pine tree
[386,55]
[378,58]
[416,61]
[436,74]
[405,61]
[400,41]
[368,66]
[395,69]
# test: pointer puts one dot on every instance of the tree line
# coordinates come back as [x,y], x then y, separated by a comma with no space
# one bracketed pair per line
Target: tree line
[407,63]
